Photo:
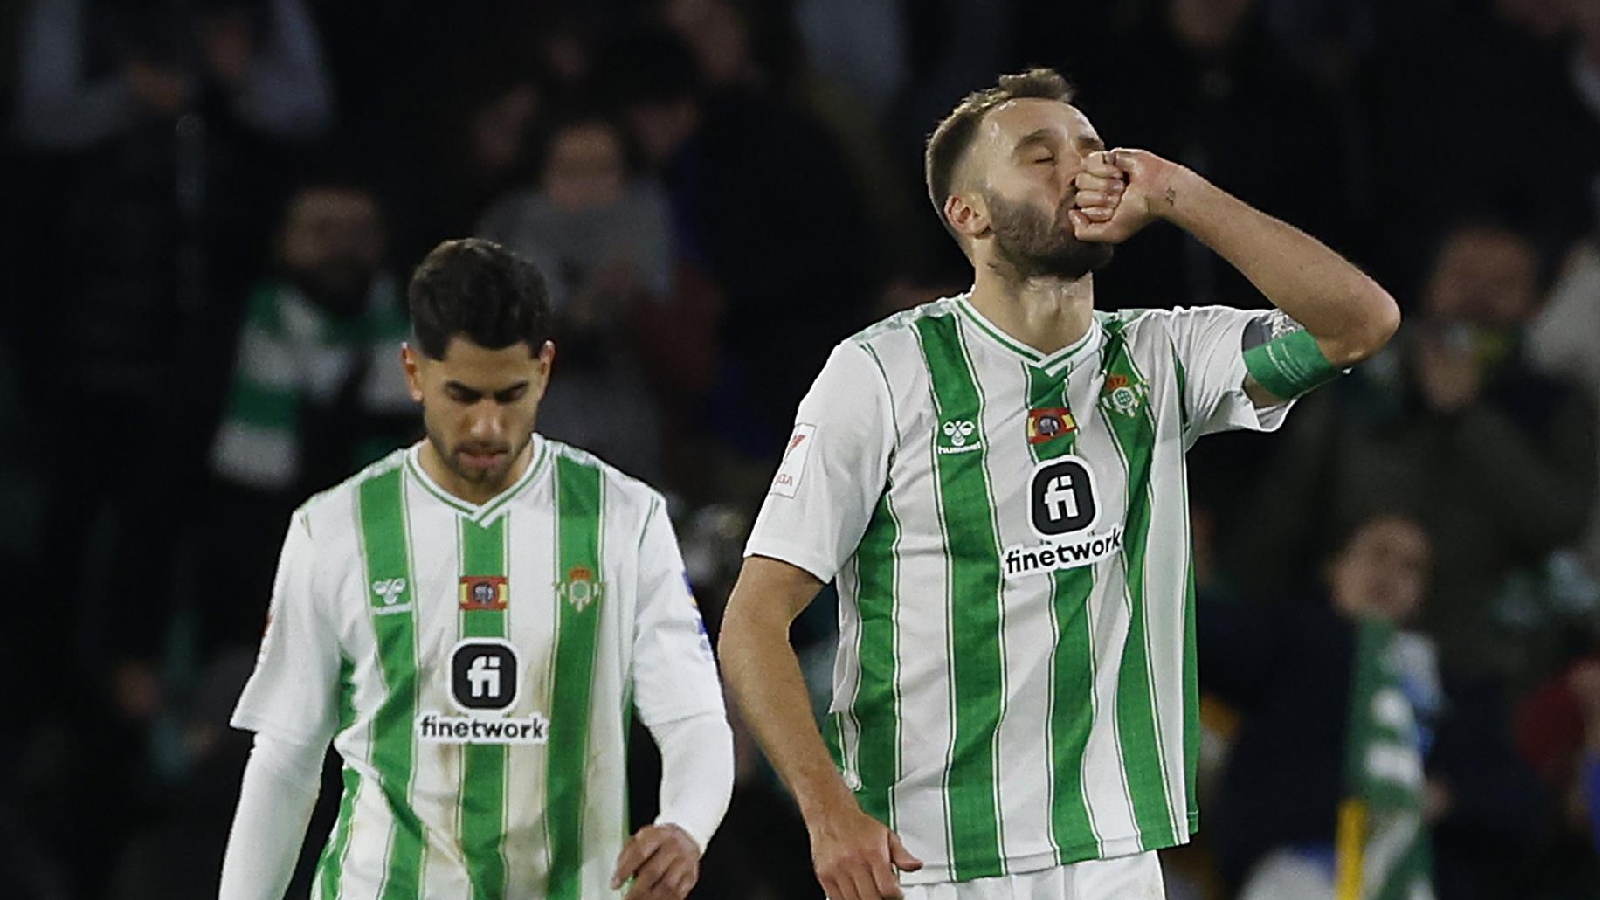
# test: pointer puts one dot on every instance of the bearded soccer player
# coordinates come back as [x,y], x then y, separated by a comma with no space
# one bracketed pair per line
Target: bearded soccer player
[995,482]
[470,622]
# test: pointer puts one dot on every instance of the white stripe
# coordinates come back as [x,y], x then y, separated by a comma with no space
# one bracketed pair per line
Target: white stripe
[847,672]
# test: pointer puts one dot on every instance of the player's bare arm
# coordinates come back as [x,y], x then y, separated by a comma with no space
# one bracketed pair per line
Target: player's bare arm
[855,856]
[1349,315]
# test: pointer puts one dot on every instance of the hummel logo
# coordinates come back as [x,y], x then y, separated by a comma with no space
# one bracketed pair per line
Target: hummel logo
[959,436]
[389,590]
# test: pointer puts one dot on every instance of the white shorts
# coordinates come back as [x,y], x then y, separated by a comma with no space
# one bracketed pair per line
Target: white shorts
[1136,877]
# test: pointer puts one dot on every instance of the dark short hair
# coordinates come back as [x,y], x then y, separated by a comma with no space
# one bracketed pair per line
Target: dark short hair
[951,139]
[481,291]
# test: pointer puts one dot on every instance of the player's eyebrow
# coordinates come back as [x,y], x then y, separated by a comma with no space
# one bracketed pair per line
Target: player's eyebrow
[1032,138]
[1087,143]
[472,393]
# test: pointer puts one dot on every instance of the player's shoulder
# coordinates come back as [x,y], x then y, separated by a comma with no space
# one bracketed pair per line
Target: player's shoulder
[330,513]
[893,342]
[1173,325]
[902,323]
[620,492]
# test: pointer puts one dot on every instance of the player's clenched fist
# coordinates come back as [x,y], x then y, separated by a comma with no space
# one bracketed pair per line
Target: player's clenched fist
[1121,191]
[662,860]
[856,856]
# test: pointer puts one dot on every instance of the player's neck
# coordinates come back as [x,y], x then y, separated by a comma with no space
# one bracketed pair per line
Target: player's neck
[476,493]
[1046,314]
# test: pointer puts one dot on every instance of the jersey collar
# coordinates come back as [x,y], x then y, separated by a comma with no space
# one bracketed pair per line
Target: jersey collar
[1051,363]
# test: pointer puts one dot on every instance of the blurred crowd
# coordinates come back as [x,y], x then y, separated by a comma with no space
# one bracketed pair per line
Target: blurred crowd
[211,207]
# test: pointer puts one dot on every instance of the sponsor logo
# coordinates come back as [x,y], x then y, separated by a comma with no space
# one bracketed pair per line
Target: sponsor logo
[435,728]
[579,588]
[484,675]
[1022,559]
[787,482]
[388,592]
[1049,423]
[958,436]
[1062,497]
[1123,395]
[483,592]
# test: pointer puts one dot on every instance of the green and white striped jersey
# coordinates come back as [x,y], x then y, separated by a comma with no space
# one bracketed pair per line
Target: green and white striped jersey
[474,667]
[1009,534]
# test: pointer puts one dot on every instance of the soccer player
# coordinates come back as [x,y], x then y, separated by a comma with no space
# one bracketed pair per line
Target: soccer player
[470,622]
[995,482]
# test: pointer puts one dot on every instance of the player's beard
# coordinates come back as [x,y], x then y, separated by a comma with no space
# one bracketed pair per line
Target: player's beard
[493,478]
[1039,247]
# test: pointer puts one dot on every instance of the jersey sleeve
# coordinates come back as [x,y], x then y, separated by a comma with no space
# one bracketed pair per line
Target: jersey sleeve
[674,676]
[290,695]
[1210,344]
[834,468]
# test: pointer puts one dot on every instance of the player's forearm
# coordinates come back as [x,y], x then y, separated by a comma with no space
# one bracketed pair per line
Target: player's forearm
[276,796]
[1349,314]
[763,672]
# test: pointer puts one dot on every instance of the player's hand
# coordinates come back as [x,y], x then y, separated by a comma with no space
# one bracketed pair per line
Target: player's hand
[662,860]
[1120,192]
[855,856]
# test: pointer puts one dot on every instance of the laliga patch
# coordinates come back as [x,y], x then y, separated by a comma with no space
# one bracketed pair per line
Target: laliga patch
[483,592]
[787,482]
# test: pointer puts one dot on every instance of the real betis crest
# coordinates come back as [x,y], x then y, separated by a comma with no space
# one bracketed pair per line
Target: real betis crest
[580,588]
[1123,394]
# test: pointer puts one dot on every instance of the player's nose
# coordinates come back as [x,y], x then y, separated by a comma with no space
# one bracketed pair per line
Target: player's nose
[486,426]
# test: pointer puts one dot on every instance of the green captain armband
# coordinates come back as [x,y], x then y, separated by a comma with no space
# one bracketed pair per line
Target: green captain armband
[1290,366]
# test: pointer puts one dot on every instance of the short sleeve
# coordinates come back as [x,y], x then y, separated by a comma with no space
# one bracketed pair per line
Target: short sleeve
[674,676]
[290,695]
[1210,343]
[834,468]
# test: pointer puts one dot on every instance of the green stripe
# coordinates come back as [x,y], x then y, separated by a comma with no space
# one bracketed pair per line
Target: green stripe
[384,539]
[483,766]
[331,865]
[1071,703]
[253,403]
[577,632]
[973,595]
[1183,399]
[1138,731]
[877,707]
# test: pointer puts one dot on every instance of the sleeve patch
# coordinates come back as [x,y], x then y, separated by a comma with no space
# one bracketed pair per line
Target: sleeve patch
[787,482]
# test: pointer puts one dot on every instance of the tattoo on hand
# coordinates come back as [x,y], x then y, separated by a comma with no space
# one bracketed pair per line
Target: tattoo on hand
[1171,196]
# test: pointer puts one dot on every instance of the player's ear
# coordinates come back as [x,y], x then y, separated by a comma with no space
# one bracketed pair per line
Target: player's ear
[410,362]
[546,360]
[967,214]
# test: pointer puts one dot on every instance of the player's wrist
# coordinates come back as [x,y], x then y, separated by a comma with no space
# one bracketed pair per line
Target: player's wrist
[1183,197]
[824,802]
